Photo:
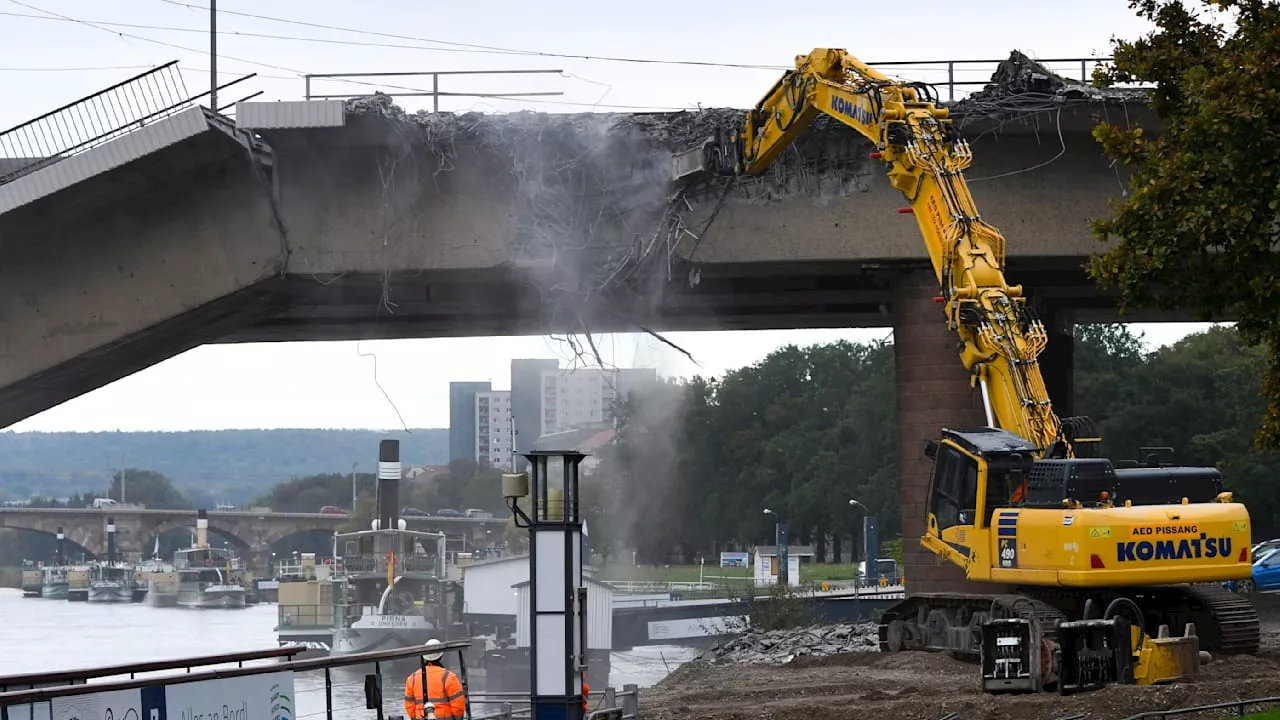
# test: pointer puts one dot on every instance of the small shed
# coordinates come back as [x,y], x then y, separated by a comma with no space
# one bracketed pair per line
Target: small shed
[766,564]
[599,615]
[487,585]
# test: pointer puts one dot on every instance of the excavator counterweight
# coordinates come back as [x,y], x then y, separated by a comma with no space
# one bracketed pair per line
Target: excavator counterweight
[1023,501]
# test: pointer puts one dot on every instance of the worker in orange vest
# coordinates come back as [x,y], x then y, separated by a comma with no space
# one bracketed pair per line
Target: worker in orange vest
[442,688]
[586,690]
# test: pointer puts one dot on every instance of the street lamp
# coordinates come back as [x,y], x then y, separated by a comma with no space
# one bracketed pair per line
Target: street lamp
[353,487]
[780,539]
[870,541]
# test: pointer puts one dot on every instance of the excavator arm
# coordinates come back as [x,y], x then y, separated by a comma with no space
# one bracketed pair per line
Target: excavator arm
[1001,335]
[1053,539]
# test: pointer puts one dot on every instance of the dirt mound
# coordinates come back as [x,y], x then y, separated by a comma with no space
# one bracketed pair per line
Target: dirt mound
[928,686]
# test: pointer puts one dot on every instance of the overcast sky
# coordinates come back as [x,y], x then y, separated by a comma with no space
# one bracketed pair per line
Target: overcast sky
[47,61]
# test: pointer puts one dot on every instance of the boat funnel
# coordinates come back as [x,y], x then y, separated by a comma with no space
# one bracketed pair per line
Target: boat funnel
[388,485]
[202,529]
[111,541]
[58,554]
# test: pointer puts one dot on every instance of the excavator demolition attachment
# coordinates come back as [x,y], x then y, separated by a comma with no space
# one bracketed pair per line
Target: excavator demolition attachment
[1018,656]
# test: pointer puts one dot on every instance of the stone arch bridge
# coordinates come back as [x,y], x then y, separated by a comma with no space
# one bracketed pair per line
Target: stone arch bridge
[254,533]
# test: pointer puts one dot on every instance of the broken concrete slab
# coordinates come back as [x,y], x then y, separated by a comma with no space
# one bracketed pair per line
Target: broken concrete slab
[779,647]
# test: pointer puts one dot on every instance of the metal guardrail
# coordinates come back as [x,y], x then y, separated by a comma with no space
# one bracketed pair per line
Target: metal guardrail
[349,564]
[435,93]
[951,76]
[11,683]
[1066,67]
[733,585]
[306,617]
[95,119]
[387,688]
[620,704]
[1239,706]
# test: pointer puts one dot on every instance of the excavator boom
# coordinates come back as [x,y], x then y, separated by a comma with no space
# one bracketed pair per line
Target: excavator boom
[1001,335]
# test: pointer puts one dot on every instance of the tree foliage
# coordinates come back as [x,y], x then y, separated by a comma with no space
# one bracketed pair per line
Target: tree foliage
[309,494]
[806,429]
[133,486]
[801,432]
[1198,396]
[146,487]
[1198,229]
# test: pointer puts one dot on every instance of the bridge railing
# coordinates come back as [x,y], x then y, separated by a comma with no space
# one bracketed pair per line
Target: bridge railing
[96,119]
[959,77]
[435,93]
[92,120]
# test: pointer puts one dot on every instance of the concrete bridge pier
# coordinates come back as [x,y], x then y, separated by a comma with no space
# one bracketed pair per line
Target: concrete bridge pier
[933,391]
[1057,362]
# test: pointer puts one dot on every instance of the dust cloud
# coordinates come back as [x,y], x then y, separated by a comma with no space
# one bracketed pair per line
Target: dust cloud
[603,239]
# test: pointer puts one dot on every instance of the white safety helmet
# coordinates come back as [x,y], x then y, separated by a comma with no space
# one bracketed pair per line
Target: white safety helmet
[432,654]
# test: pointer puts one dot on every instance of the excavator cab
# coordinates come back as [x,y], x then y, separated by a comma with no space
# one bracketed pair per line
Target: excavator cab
[975,472]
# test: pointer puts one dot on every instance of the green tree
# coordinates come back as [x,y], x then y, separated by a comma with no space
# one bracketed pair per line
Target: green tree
[1198,228]
[309,494]
[467,484]
[146,487]
[362,515]
[1106,358]
[801,432]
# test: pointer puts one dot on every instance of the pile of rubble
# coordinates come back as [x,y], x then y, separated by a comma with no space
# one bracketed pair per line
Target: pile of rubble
[779,647]
[1021,78]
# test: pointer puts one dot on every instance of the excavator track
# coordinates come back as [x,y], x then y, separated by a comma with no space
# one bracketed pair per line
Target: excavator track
[951,622]
[1226,623]
[1230,616]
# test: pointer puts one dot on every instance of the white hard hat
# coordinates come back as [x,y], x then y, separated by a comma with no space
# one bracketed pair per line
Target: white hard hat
[432,655]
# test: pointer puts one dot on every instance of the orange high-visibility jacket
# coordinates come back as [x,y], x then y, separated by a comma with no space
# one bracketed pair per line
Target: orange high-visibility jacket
[586,690]
[444,690]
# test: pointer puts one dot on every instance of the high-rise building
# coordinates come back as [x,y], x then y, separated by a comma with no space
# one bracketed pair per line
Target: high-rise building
[493,429]
[580,398]
[526,401]
[462,418]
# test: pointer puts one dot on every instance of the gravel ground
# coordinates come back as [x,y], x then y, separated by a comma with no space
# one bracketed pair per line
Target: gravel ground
[926,686]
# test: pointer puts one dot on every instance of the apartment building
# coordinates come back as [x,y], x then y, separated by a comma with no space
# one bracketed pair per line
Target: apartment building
[526,401]
[584,397]
[493,429]
[462,418]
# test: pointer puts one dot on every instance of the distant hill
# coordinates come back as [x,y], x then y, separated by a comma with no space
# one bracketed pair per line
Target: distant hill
[206,465]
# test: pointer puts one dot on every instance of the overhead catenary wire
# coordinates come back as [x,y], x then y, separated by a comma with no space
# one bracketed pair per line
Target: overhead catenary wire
[480,48]
[453,46]
[299,73]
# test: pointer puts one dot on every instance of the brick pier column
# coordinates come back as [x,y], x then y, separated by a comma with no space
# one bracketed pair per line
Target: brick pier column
[932,391]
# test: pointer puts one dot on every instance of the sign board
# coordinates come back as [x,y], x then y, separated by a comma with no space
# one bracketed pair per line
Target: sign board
[734,559]
[376,622]
[696,627]
[251,697]
[111,705]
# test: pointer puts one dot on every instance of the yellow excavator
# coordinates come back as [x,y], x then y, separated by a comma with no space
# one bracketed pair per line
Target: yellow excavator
[1090,553]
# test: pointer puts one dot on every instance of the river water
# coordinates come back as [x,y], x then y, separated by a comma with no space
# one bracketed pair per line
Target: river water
[40,635]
